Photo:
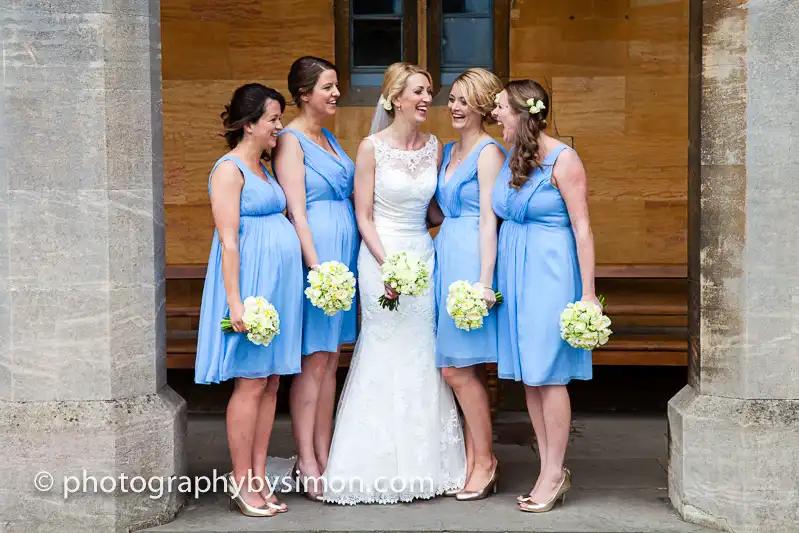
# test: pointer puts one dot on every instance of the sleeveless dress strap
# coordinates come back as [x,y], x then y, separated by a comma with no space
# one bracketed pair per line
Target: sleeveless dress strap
[239,163]
[554,154]
[539,176]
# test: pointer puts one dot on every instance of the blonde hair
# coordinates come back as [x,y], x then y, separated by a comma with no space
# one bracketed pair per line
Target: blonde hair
[395,79]
[479,88]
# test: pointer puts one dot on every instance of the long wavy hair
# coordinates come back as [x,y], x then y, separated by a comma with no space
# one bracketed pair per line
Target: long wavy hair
[525,154]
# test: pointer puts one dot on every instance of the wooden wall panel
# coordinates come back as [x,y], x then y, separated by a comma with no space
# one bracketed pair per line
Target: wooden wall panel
[209,48]
[617,70]
[618,73]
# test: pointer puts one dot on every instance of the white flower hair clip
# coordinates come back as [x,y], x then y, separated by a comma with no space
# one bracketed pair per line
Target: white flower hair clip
[536,106]
[385,103]
[496,99]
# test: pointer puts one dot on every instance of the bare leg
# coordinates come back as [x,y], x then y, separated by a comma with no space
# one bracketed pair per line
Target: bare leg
[325,407]
[469,445]
[536,411]
[263,433]
[557,420]
[473,398]
[242,415]
[304,396]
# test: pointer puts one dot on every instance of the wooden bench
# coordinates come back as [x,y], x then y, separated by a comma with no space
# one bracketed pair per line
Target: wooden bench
[648,305]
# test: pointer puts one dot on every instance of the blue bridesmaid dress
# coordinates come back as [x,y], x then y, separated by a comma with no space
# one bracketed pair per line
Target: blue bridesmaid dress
[457,248]
[270,266]
[538,274]
[331,216]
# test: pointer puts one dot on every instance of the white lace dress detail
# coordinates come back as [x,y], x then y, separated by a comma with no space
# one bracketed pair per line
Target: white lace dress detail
[398,435]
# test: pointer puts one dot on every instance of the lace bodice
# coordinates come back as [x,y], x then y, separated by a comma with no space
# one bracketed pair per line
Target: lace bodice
[405,182]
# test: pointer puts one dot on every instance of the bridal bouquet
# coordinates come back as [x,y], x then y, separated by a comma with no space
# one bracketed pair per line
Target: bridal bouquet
[466,306]
[261,319]
[583,325]
[332,287]
[405,274]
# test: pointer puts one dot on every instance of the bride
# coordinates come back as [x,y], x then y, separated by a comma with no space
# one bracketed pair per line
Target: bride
[397,435]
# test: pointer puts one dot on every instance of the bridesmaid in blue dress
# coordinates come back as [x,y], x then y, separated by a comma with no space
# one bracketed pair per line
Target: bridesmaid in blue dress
[545,260]
[317,176]
[254,252]
[466,248]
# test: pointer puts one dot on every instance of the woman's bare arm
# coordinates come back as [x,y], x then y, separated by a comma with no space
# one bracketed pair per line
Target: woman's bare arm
[570,178]
[289,161]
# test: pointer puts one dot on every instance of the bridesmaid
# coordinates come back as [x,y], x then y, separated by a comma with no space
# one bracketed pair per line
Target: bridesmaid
[254,252]
[317,176]
[466,248]
[545,260]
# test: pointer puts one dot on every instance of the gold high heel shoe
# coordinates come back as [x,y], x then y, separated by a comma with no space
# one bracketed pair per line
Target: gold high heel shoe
[451,492]
[277,505]
[491,487]
[236,501]
[532,507]
[296,475]
[525,498]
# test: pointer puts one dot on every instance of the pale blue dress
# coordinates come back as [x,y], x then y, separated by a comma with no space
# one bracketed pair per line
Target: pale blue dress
[458,258]
[270,266]
[328,188]
[538,273]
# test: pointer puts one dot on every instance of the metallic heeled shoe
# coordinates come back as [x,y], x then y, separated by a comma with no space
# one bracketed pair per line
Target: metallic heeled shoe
[236,501]
[490,488]
[451,492]
[280,507]
[296,475]
[560,494]
[525,498]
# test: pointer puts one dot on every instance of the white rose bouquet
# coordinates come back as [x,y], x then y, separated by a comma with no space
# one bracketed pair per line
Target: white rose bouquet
[261,319]
[406,274]
[466,305]
[583,325]
[332,287]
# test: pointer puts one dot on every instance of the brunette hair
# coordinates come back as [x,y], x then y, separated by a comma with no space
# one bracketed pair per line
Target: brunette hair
[395,79]
[479,88]
[525,154]
[303,75]
[247,106]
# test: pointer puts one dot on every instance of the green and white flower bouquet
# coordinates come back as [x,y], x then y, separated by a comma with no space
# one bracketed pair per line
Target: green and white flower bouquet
[261,319]
[584,325]
[466,305]
[406,274]
[331,287]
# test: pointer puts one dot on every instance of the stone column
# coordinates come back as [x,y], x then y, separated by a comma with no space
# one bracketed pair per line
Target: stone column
[82,320]
[734,453]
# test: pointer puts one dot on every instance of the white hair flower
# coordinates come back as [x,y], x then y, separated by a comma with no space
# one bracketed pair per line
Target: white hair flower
[536,106]
[496,99]
[385,103]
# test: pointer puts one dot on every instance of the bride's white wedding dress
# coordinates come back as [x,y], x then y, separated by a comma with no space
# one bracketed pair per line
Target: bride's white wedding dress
[397,431]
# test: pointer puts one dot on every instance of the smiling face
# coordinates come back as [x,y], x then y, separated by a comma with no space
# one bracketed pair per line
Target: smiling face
[265,130]
[324,96]
[463,116]
[414,100]
[507,117]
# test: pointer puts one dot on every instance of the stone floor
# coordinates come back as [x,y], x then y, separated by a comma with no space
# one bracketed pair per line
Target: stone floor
[618,463]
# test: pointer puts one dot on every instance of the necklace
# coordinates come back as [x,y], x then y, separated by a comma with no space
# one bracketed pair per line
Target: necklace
[459,155]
